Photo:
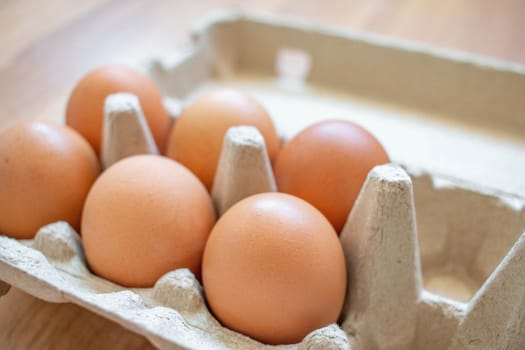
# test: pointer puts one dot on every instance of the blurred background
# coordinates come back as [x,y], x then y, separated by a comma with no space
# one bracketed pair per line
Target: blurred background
[45,47]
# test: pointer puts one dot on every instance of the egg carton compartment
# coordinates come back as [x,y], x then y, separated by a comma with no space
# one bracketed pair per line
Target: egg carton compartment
[386,307]
[457,281]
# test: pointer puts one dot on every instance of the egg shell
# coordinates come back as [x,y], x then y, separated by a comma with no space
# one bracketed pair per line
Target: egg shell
[274,269]
[145,216]
[46,171]
[196,138]
[326,164]
[85,107]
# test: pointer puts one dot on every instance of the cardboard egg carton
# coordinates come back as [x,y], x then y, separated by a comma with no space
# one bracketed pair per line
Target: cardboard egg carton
[456,280]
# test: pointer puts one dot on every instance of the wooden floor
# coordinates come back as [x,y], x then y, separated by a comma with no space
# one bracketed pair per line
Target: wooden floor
[46,46]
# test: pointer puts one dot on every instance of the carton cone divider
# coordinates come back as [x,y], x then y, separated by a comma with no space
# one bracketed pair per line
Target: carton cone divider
[244,168]
[380,245]
[59,241]
[180,290]
[330,337]
[495,317]
[125,131]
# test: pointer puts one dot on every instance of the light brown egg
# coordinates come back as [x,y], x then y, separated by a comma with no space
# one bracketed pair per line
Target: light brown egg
[274,269]
[46,171]
[326,164]
[196,138]
[85,107]
[145,216]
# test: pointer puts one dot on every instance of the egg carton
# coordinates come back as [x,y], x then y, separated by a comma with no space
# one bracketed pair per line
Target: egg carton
[457,281]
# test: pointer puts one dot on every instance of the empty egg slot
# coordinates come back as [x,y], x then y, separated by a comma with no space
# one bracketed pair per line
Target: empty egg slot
[456,285]
[462,244]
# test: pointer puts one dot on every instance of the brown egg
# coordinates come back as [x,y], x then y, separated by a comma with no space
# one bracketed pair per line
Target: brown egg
[274,269]
[326,164]
[46,171]
[145,216]
[85,108]
[197,136]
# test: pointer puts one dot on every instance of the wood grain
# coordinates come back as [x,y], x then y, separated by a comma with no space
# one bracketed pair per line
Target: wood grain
[28,323]
[47,46]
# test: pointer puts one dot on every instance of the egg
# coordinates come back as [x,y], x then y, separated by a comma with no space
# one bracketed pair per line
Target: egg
[46,171]
[196,138]
[145,216]
[326,164]
[273,269]
[85,107]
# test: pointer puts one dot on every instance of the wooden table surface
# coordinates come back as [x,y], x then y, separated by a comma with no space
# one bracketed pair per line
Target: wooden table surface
[46,46]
